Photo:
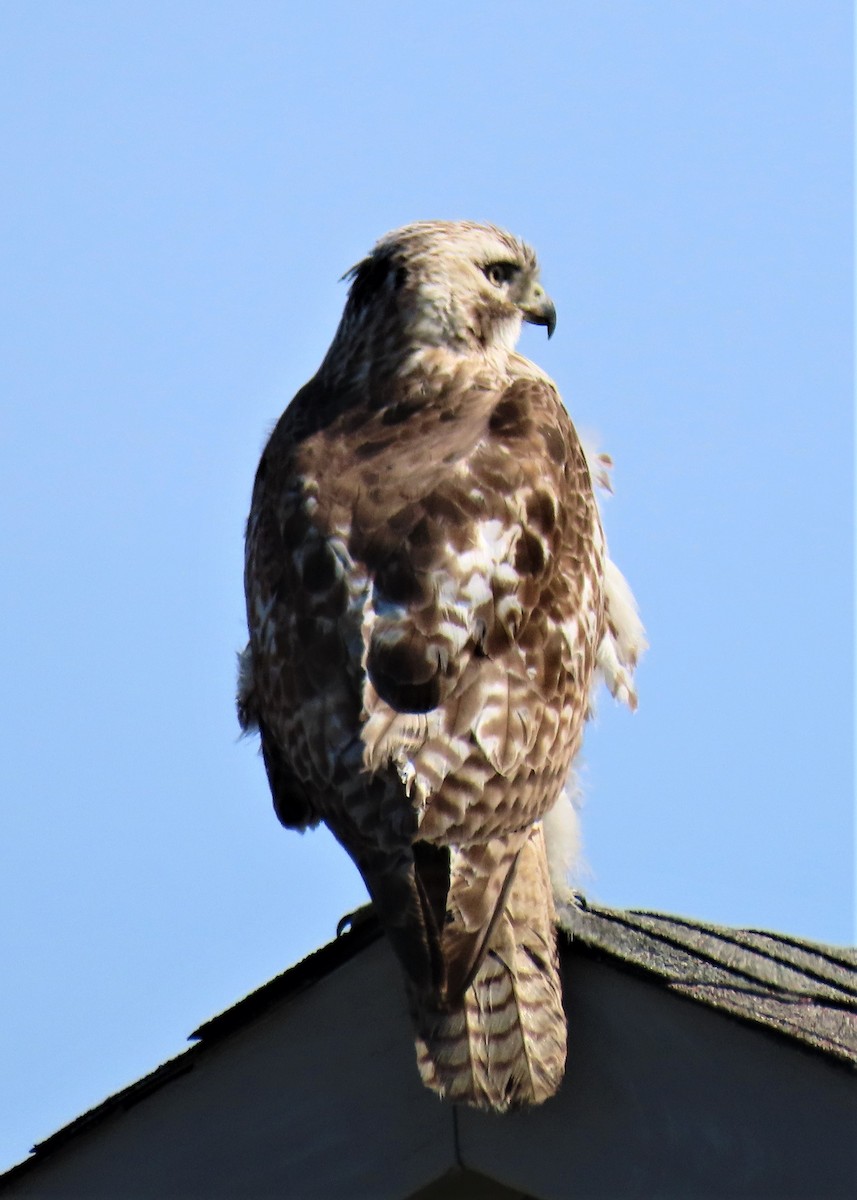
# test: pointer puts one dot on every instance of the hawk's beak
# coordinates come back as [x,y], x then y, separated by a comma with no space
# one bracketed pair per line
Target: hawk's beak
[538,308]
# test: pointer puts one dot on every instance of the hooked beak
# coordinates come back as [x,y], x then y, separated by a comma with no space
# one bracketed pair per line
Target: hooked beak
[538,308]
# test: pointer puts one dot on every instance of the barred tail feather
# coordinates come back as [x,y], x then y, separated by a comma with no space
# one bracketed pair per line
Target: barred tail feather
[504,1044]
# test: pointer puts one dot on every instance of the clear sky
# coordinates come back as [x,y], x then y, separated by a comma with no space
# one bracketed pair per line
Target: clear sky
[184,185]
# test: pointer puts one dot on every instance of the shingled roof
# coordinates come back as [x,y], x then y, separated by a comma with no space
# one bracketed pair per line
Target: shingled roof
[803,991]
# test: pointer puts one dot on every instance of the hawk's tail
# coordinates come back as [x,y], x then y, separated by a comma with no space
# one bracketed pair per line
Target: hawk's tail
[502,1043]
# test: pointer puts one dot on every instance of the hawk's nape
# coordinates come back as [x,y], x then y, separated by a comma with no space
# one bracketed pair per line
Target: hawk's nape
[428,600]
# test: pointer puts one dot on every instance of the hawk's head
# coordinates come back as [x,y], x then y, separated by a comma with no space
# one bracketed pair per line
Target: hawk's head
[445,283]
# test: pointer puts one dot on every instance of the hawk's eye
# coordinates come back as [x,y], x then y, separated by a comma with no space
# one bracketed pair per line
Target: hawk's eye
[499,273]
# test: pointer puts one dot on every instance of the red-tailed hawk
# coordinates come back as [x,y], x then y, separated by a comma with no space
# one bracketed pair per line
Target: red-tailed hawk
[428,599]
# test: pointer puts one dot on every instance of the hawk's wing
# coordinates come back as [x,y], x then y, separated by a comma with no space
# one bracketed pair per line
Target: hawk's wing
[441,553]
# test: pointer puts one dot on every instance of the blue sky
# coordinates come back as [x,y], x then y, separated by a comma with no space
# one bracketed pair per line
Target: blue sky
[190,180]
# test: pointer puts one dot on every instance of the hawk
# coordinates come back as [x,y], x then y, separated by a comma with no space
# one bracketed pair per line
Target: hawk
[429,600]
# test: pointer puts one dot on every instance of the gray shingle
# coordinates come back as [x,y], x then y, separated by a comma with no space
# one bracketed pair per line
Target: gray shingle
[797,988]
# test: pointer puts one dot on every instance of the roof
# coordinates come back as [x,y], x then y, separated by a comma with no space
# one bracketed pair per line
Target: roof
[804,991]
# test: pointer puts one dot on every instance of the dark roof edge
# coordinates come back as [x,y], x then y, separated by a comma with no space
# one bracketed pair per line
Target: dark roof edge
[354,933]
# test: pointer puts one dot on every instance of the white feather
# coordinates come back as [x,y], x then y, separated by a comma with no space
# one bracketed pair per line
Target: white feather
[246,701]
[563,842]
[623,642]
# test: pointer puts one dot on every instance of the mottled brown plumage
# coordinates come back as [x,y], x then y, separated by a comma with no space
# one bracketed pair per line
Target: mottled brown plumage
[426,602]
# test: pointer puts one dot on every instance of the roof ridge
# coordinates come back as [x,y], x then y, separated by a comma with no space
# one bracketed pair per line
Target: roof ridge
[693,951]
[844,956]
[732,937]
[827,991]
